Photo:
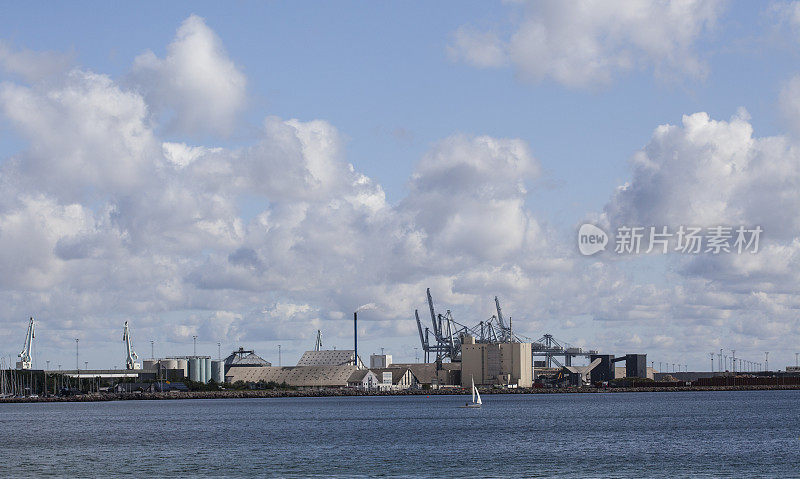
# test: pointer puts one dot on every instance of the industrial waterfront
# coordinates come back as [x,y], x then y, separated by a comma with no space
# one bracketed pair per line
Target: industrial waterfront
[487,356]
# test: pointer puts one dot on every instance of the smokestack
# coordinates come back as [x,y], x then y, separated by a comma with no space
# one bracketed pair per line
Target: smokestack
[355,338]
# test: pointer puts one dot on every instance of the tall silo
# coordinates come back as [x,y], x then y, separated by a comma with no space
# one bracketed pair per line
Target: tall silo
[207,369]
[202,369]
[218,371]
[184,365]
[194,369]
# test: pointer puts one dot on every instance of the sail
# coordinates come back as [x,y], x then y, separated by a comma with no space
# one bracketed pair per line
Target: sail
[475,391]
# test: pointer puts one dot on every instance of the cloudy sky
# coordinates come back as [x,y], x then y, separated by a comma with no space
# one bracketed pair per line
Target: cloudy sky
[253,173]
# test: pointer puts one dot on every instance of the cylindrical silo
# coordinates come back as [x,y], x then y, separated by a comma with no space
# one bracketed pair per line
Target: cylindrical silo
[218,371]
[202,370]
[169,364]
[184,365]
[149,364]
[207,370]
[194,369]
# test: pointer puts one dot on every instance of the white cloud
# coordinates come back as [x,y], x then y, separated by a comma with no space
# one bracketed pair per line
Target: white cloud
[580,44]
[707,173]
[480,49]
[467,198]
[196,80]
[32,65]
[97,135]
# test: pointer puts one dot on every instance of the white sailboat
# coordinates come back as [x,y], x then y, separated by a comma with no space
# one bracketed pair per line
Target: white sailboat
[476,396]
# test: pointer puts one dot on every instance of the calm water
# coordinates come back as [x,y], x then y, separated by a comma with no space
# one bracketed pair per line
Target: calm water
[707,434]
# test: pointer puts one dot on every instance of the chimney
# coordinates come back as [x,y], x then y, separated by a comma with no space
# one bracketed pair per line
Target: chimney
[355,338]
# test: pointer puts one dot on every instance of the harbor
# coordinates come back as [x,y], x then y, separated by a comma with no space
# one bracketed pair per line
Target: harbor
[488,357]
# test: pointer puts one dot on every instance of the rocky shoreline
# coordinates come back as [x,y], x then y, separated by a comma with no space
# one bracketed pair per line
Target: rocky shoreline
[284,393]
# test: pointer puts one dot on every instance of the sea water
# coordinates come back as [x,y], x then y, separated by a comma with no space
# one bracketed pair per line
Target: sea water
[621,435]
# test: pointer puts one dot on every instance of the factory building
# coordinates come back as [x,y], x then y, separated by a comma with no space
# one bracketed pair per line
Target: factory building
[502,364]
[380,360]
[200,369]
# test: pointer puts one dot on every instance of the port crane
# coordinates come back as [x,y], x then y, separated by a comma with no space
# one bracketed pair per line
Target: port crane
[448,333]
[130,360]
[25,356]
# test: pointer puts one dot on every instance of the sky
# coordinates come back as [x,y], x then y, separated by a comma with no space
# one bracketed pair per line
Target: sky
[251,172]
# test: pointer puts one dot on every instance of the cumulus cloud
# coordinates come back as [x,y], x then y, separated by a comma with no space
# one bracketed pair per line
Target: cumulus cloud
[196,81]
[32,65]
[580,44]
[708,172]
[98,136]
[467,197]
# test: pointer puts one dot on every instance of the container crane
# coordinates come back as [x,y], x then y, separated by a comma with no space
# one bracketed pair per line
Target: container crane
[130,360]
[25,356]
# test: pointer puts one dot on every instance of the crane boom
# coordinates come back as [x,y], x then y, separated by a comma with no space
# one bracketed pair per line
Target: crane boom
[499,313]
[436,330]
[422,339]
[25,355]
[130,359]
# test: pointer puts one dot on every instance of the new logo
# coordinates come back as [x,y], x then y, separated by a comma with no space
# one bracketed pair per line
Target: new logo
[591,239]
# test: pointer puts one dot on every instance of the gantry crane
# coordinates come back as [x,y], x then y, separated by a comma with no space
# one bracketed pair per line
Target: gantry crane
[448,334]
[130,360]
[25,356]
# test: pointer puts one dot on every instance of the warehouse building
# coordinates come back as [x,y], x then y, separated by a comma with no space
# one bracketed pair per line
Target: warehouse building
[296,376]
[330,357]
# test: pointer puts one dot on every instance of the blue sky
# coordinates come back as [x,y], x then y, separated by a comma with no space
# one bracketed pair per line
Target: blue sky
[381,75]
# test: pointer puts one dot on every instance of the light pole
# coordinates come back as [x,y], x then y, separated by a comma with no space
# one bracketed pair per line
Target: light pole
[194,338]
[279,355]
[766,360]
[733,360]
[152,350]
